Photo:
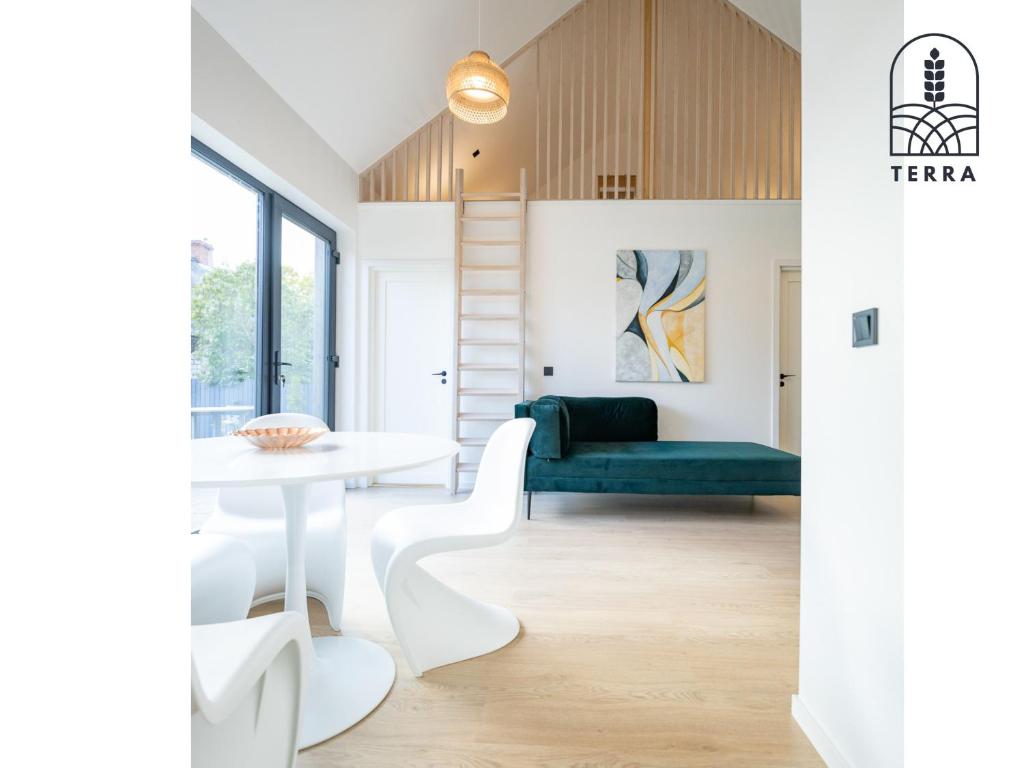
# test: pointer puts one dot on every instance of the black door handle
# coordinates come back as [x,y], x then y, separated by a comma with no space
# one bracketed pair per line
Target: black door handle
[277,363]
[785,376]
[441,373]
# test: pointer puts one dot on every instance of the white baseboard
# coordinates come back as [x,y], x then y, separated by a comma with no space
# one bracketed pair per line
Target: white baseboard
[817,736]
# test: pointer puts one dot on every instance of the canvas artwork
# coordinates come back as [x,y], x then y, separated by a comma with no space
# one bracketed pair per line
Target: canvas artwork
[660,315]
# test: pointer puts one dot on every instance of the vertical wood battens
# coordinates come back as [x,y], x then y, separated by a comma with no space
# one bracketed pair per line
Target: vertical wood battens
[720,21]
[713,78]
[604,135]
[583,100]
[537,120]
[547,145]
[798,126]
[618,80]
[572,98]
[687,192]
[644,99]
[629,98]
[744,144]
[593,107]
[675,69]
[732,102]
[657,107]
[561,105]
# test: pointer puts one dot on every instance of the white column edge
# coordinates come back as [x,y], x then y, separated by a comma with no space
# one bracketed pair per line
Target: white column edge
[812,729]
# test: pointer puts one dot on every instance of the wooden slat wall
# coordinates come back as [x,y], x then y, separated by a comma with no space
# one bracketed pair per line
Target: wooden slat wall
[420,169]
[663,99]
[689,99]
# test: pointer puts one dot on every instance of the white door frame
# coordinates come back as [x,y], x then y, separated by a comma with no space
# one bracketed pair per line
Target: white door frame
[778,267]
[370,269]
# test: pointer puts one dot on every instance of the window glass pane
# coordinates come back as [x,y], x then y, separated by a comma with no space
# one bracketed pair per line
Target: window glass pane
[303,316]
[224,249]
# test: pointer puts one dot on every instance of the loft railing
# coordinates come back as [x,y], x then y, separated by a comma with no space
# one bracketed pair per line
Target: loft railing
[625,99]
[420,169]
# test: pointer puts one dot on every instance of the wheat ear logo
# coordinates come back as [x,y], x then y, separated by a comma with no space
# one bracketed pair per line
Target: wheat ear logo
[942,72]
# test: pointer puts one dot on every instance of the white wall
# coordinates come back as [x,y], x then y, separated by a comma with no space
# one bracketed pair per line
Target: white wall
[571,296]
[231,98]
[851,624]
[237,114]
[394,232]
[571,304]
[406,231]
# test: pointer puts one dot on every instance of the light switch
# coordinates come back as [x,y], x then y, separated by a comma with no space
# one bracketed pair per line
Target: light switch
[865,327]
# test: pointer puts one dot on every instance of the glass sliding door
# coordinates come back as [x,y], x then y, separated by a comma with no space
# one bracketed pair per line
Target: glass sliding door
[263,301]
[225,257]
[305,367]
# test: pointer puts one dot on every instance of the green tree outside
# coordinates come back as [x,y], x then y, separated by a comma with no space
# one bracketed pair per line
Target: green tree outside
[224,328]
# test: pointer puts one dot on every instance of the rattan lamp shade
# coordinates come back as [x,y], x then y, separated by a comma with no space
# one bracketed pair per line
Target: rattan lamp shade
[477,89]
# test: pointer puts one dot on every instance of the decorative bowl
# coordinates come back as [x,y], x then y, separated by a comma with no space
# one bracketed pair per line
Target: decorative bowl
[281,438]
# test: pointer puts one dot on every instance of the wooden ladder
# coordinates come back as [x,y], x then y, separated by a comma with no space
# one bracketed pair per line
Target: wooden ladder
[490,317]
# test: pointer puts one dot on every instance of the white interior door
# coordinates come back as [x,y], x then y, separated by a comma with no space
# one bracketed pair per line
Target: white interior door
[412,345]
[789,361]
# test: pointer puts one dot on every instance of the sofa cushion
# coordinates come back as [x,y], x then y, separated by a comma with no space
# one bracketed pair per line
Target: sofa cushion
[551,436]
[718,465]
[612,419]
[522,410]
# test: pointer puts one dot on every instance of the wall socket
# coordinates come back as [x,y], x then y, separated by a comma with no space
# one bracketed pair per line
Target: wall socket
[549,370]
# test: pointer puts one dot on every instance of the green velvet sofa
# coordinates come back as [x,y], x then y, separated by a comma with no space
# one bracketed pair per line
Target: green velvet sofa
[610,445]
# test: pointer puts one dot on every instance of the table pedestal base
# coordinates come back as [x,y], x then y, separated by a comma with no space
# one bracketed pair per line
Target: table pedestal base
[349,678]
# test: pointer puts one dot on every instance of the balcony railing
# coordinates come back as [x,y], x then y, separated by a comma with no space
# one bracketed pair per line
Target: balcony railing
[217,420]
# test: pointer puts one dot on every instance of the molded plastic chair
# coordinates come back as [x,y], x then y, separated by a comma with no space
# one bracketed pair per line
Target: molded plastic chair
[434,624]
[223,579]
[248,683]
[256,517]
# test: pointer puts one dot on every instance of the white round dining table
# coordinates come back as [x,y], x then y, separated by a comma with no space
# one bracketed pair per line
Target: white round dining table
[349,676]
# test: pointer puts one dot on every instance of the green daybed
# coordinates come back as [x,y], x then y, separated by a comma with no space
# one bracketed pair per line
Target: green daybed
[610,445]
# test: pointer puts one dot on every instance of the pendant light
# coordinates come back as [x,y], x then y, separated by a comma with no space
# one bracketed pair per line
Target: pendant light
[477,88]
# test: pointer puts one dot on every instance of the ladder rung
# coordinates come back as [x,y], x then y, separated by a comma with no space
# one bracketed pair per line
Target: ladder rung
[491,291]
[471,442]
[488,367]
[490,242]
[484,391]
[490,218]
[491,267]
[467,466]
[489,342]
[476,416]
[490,195]
[488,317]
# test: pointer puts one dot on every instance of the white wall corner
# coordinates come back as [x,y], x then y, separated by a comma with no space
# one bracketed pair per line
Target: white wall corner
[812,729]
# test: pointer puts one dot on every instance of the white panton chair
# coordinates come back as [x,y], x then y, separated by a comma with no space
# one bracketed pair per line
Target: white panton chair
[434,624]
[223,578]
[248,682]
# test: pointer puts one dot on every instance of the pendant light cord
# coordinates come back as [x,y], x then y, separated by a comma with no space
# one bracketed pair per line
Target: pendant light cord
[479,12]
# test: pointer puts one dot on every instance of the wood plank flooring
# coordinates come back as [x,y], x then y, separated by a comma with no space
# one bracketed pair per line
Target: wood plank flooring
[656,631]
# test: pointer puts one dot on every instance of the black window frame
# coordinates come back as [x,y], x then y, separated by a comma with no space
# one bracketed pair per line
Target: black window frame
[273,208]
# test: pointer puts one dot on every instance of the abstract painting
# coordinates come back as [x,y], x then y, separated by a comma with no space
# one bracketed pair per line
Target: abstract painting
[660,315]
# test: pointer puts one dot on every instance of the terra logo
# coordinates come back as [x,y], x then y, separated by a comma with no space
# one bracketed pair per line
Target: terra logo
[933,107]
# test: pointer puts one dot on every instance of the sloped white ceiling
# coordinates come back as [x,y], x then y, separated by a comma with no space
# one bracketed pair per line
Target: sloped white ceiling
[780,17]
[367,73]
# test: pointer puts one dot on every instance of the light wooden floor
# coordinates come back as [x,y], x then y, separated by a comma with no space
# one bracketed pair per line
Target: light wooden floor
[656,631]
